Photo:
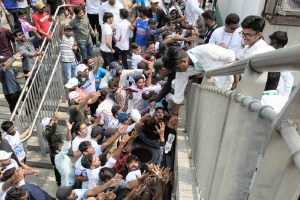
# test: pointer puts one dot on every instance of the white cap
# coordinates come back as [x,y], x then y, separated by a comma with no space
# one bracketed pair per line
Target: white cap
[81,67]
[46,121]
[133,175]
[71,83]
[135,115]
[74,95]
[4,155]
[171,9]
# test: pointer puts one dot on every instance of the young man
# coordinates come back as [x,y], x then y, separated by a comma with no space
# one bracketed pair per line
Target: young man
[67,47]
[11,88]
[7,39]
[15,139]
[192,10]
[278,40]
[42,21]
[82,32]
[209,19]
[190,63]
[156,13]
[228,36]
[141,24]
[112,6]
[26,46]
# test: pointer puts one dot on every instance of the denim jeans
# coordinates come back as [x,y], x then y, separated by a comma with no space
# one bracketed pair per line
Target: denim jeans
[86,50]
[69,70]
[107,58]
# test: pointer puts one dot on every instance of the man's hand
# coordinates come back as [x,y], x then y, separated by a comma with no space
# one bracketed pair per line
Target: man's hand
[62,23]
[49,38]
[69,126]
[173,122]
[124,140]
[122,129]
[18,56]
[57,115]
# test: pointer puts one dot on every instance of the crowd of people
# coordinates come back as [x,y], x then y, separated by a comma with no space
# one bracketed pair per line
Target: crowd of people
[128,95]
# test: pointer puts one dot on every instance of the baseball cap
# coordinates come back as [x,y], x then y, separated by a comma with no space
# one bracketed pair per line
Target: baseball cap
[46,121]
[39,5]
[81,67]
[158,64]
[172,8]
[154,1]
[151,21]
[122,116]
[63,192]
[4,155]
[68,27]
[73,95]
[115,65]
[71,83]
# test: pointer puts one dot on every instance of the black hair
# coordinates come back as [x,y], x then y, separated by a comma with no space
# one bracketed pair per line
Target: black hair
[77,127]
[148,56]
[165,34]
[148,95]
[87,161]
[131,158]
[134,46]
[54,145]
[106,174]
[137,78]
[8,174]
[6,125]
[97,130]
[142,65]
[103,158]
[172,57]
[272,81]
[106,16]
[85,61]
[143,10]
[123,13]
[77,10]
[15,193]
[114,82]
[232,18]
[16,31]
[22,11]
[115,109]
[149,42]
[83,146]
[209,14]
[280,37]
[253,22]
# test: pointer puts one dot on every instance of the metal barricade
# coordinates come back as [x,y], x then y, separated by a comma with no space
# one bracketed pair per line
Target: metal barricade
[42,93]
[234,140]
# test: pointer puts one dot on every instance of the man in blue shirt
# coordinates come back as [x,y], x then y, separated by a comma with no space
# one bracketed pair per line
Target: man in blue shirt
[141,25]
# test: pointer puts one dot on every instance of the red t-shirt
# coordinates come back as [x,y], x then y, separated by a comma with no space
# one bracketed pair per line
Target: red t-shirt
[41,22]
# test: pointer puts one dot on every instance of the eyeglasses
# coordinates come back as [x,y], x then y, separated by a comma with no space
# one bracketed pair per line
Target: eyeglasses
[246,35]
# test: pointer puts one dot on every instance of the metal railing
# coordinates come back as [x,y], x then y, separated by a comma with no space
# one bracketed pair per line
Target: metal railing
[42,93]
[240,149]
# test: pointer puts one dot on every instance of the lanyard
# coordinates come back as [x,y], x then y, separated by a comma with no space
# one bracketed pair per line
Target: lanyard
[271,93]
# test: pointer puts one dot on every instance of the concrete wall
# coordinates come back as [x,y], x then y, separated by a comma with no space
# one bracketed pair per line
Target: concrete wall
[255,7]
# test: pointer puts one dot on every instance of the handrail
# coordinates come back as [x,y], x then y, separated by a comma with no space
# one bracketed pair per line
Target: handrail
[35,65]
[285,59]
[44,96]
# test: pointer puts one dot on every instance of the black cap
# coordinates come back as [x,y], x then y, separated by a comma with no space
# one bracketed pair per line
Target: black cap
[63,192]
[158,64]
[68,27]
[115,65]
[151,21]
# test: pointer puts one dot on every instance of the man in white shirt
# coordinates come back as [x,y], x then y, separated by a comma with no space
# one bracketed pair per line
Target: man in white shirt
[192,62]
[15,139]
[92,9]
[63,162]
[112,6]
[228,36]
[123,32]
[278,40]
[192,10]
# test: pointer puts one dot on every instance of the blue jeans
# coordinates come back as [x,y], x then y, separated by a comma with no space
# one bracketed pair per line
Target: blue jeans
[86,50]
[69,70]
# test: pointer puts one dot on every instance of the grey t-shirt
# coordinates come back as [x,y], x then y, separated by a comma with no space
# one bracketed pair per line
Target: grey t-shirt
[8,80]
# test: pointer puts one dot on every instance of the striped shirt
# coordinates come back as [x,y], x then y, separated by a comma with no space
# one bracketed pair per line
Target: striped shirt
[67,54]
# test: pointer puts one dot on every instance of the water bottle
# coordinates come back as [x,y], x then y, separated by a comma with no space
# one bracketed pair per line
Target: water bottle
[169,142]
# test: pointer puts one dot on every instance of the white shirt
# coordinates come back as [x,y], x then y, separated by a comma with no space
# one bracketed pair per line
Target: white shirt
[98,148]
[76,142]
[16,144]
[123,33]
[22,4]
[89,86]
[135,60]
[81,171]
[63,164]
[285,84]
[106,31]
[93,6]
[233,40]
[93,174]
[259,47]
[204,57]
[273,99]
[115,10]
[104,108]
[80,193]
[192,11]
